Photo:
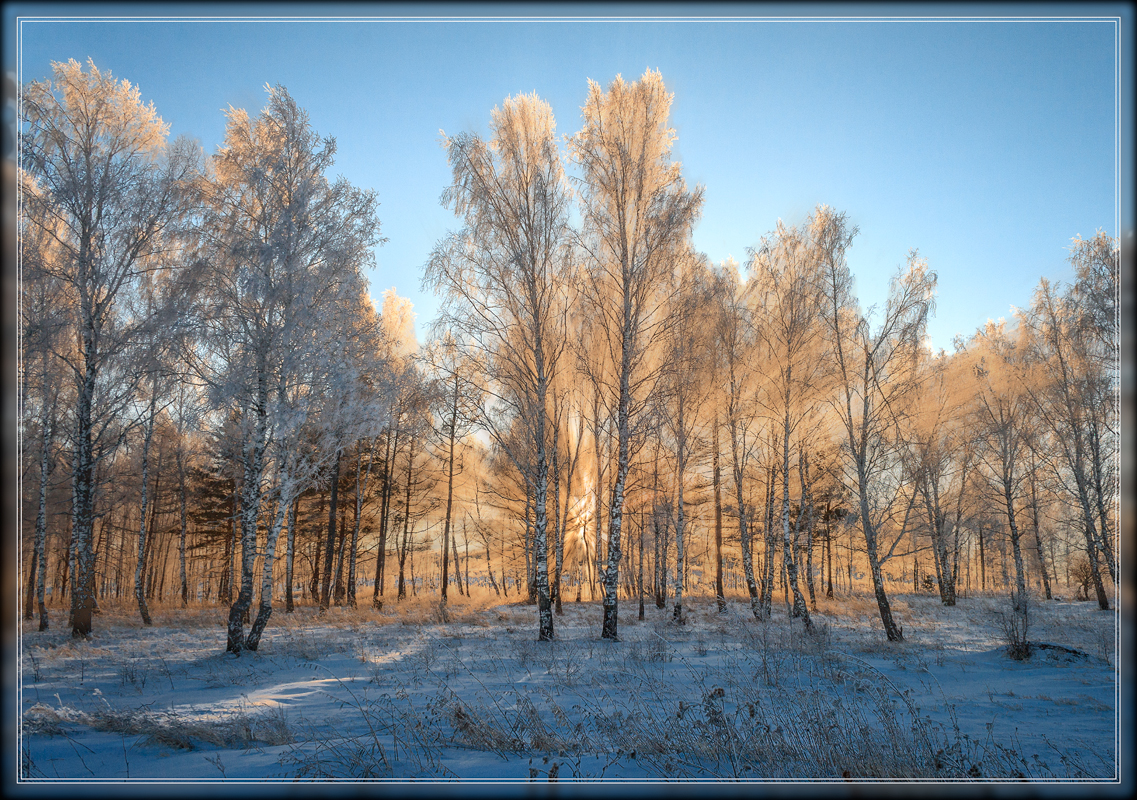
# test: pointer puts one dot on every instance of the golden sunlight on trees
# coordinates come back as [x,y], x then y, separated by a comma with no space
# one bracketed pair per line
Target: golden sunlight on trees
[109,196]
[638,215]
[508,280]
[598,414]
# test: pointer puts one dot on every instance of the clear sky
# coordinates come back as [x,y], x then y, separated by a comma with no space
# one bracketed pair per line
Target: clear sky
[985,142]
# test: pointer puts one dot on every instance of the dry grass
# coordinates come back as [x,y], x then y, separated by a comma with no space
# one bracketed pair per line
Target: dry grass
[240,728]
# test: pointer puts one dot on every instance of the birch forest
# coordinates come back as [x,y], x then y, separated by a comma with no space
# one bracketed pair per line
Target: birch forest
[214,411]
[621,510]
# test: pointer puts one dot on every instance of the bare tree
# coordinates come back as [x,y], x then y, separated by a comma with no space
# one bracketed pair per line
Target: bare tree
[457,398]
[937,453]
[788,299]
[397,323]
[685,391]
[1068,403]
[43,324]
[285,246]
[734,337]
[110,192]
[1003,422]
[873,371]
[506,280]
[638,215]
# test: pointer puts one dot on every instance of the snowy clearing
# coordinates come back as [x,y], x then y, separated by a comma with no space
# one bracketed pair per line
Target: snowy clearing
[361,695]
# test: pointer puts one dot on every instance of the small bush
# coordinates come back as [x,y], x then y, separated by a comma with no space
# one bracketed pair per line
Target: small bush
[1082,573]
[1015,626]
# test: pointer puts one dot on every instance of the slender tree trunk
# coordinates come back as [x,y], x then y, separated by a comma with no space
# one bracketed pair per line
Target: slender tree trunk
[449,489]
[83,497]
[360,491]
[611,572]
[290,554]
[892,631]
[807,509]
[769,558]
[1106,536]
[937,523]
[330,550]
[595,566]
[501,559]
[489,572]
[163,571]
[457,565]
[45,470]
[658,562]
[558,522]
[982,561]
[1037,531]
[67,579]
[829,548]
[1089,521]
[466,559]
[183,588]
[402,591]
[940,528]
[720,595]
[224,589]
[338,588]
[640,566]
[388,476]
[143,611]
[680,512]
[1088,528]
[318,548]
[540,507]
[740,505]
[73,566]
[30,584]
[530,579]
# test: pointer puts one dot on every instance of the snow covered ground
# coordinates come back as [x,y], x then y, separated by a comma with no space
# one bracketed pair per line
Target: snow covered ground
[398,695]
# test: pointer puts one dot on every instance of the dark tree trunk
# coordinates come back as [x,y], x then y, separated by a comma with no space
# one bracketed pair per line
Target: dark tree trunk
[30,591]
[338,589]
[290,555]
[330,550]
[640,567]
[314,579]
[829,549]
[390,448]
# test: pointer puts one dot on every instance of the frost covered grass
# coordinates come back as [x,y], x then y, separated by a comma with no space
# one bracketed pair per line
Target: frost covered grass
[401,694]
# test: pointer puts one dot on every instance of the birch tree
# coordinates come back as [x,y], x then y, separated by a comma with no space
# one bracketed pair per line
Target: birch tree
[1067,403]
[396,320]
[506,281]
[638,214]
[873,372]
[788,304]
[456,399]
[734,338]
[937,452]
[1002,421]
[111,192]
[286,245]
[685,392]
[43,325]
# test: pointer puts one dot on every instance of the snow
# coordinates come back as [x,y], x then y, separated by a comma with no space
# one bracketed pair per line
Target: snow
[361,695]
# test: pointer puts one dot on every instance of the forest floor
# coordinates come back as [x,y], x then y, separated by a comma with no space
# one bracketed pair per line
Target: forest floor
[360,695]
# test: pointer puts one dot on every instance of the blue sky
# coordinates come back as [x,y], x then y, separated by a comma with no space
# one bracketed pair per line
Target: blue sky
[986,143]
